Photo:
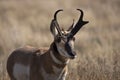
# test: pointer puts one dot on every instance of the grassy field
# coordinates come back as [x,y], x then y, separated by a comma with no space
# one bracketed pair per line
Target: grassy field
[27,22]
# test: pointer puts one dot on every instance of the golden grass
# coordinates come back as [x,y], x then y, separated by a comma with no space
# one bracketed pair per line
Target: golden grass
[26,22]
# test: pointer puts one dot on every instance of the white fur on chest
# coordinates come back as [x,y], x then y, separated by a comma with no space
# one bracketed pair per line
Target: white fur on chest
[21,72]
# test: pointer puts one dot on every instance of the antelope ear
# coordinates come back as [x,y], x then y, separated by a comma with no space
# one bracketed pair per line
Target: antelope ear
[53,28]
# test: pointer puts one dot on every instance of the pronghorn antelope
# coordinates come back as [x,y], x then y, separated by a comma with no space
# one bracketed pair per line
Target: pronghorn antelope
[29,63]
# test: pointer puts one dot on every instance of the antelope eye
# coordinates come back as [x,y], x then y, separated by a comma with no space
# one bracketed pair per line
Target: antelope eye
[58,39]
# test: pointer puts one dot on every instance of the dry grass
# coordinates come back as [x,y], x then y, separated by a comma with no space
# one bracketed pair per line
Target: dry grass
[24,22]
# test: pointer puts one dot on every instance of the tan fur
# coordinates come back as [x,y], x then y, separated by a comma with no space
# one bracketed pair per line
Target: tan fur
[46,64]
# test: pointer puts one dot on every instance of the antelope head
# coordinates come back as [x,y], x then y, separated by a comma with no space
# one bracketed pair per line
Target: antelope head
[64,40]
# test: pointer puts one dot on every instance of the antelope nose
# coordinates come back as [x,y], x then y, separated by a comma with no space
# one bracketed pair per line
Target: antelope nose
[73,55]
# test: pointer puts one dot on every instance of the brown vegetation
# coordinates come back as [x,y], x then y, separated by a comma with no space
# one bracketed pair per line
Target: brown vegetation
[27,22]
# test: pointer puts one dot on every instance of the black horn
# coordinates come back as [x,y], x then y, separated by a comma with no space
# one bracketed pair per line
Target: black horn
[78,25]
[56,23]
[55,15]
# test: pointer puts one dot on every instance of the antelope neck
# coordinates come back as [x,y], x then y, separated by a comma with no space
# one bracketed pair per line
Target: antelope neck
[57,55]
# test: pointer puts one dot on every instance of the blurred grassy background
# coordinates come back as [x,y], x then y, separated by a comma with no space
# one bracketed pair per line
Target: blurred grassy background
[27,22]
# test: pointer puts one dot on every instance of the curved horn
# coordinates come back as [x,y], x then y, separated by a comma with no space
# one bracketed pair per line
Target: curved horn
[56,23]
[55,15]
[79,24]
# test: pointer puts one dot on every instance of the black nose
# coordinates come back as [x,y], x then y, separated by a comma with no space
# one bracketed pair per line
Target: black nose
[73,55]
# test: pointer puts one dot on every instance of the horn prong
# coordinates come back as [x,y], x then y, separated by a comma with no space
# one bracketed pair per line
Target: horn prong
[78,25]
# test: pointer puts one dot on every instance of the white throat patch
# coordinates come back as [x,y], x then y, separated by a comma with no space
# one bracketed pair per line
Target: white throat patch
[55,59]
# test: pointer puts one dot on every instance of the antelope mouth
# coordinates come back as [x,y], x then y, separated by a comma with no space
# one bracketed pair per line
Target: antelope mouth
[72,55]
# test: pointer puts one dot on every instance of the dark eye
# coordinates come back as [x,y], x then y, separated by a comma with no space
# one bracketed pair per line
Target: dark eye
[58,39]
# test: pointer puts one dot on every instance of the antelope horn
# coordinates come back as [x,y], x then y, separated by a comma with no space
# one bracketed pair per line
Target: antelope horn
[79,25]
[56,23]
